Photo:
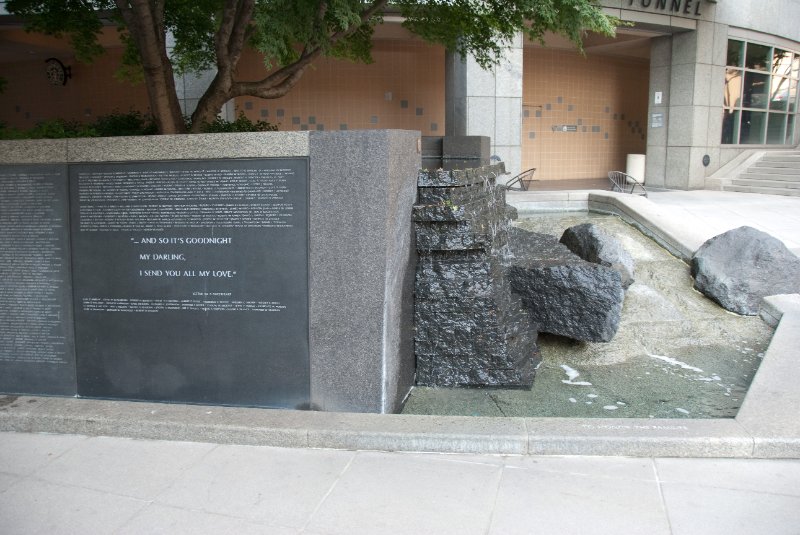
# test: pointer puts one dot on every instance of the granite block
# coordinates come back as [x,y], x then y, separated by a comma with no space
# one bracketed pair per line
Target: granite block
[678,162]
[361,264]
[508,74]
[769,411]
[33,151]
[185,147]
[466,147]
[508,121]
[450,434]
[682,126]
[702,86]
[638,437]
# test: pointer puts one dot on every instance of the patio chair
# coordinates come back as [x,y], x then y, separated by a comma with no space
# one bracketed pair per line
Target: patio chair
[519,182]
[625,183]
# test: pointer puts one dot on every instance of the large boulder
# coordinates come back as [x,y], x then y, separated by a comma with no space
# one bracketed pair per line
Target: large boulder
[740,267]
[564,294]
[594,245]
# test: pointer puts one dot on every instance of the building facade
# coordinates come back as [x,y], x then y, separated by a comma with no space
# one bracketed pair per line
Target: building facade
[691,84]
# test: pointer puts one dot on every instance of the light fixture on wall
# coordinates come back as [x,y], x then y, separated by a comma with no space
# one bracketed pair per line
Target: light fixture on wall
[57,73]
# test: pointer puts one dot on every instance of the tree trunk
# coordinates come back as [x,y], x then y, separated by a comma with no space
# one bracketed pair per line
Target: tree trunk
[229,43]
[210,104]
[145,22]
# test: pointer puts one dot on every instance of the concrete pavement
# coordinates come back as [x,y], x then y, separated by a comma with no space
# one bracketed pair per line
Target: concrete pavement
[685,218]
[718,211]
[70,484]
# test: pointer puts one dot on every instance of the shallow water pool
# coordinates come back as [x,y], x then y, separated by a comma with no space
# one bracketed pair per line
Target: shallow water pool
[676,354]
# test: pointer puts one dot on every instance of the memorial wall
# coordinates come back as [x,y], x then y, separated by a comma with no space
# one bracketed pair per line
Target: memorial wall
[36,341]
[126,274]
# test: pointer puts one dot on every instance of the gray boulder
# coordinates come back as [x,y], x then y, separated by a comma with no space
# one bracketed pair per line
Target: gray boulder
[562,293]
[594,245]
[740,267]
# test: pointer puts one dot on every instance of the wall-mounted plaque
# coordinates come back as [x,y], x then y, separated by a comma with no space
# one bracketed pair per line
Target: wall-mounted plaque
[191,281]
[657,120]
[36,343]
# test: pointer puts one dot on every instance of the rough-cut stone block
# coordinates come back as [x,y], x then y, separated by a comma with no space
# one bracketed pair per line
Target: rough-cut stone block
[592,244]
[454,275]
[458,370]
[450,237]
[454,194]
[738,268]
[469,328]
[563,294]
[459,177]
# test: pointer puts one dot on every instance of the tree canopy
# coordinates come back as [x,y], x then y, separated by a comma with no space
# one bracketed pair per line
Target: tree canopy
[290,34]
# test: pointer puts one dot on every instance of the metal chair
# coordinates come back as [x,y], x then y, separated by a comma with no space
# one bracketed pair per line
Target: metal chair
[625,183]
[518,183]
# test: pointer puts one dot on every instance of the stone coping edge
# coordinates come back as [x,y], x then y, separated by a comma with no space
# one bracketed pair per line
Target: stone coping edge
[680,239]
[392,432]
[766,426]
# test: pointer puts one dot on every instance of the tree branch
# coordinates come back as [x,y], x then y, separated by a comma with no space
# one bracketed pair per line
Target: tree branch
[367,14]
[286,77]
[223,35]
[241,29]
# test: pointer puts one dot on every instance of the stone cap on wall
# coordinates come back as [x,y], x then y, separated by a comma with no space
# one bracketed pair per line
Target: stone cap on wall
[172,147]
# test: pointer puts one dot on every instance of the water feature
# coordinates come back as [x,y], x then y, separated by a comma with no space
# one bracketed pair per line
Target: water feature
[676,354]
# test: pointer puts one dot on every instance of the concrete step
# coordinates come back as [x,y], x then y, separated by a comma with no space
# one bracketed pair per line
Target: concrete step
[783,157]
[768,191]
[761,182]
[772,169]
[757,175]
[777,164]
[782,153]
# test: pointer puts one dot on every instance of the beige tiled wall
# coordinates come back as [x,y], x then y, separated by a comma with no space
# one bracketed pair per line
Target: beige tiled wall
[92,91]
[403,88]
[604,97]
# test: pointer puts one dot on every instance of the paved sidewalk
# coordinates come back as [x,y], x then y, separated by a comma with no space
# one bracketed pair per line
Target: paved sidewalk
[715,212]
[71,484]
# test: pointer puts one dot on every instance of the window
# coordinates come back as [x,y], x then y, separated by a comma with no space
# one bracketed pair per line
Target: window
[761,94]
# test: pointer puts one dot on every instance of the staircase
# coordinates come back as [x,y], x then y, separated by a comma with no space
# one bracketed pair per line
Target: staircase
[776,173]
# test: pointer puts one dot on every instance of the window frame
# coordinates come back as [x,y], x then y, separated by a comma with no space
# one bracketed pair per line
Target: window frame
[736,110]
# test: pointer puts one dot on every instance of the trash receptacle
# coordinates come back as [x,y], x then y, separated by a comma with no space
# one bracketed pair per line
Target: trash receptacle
[635,167]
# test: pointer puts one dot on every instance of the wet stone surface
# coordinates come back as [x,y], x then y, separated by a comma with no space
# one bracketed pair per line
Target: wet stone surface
[677,354]
[469,329]
[593,245]
[742,266]
[564,294]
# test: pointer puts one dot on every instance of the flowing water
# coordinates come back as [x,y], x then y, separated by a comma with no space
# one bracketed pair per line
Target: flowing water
[676,354]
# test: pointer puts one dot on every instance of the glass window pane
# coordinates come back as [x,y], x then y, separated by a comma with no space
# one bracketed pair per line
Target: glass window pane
[779,94]
[735,55]
[759,57]
[730,127]
[790,131]
[792,98]
[781,62]
[753,127]
[756,86]
[796,66]
[733,88]
[776,129]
